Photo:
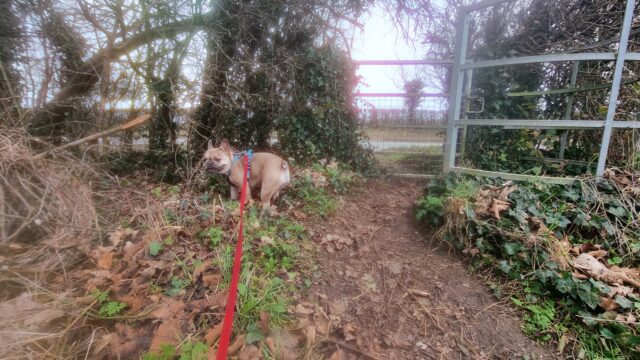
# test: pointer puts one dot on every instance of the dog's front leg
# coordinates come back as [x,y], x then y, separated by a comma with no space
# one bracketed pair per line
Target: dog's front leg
[235,194]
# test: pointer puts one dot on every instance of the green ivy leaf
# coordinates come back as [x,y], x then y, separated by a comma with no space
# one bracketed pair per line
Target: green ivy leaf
[586,294]
[545,275]
[155,248]
[600,286]
[623,302]
[504,266]
[565,285]
[616,260]
[606,333]
[617,211]
[511,248]
[253,334]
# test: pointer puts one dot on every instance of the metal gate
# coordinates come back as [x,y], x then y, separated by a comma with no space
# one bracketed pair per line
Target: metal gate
[405,130]
[460,79]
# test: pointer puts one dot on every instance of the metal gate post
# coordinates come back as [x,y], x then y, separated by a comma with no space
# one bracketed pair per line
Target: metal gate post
[467,107]
[568,108]
[615,87]
[455,90]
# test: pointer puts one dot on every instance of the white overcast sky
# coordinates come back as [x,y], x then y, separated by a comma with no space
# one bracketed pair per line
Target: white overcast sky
[380,40]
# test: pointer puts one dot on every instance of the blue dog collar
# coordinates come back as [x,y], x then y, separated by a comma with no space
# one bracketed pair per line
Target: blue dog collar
[237,156]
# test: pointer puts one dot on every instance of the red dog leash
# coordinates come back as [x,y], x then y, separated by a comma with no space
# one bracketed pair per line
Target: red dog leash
[227,324]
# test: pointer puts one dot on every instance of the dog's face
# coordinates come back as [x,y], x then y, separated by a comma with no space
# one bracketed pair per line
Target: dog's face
[217,160]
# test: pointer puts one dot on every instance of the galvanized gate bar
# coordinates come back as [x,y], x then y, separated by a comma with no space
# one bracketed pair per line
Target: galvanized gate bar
[535,124]
[455,91]
[615,87]
[460,63]
[540,59]
[568,107]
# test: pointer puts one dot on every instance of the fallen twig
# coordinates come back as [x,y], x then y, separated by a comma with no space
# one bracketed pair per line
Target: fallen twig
[351,348]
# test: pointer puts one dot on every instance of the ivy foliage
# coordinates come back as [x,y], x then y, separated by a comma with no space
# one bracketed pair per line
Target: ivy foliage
[524,245]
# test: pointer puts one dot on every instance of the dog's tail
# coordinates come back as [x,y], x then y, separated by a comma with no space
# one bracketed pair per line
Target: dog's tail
[285,172]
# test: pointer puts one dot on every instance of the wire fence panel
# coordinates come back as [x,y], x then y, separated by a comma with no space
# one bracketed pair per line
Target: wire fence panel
[405,131]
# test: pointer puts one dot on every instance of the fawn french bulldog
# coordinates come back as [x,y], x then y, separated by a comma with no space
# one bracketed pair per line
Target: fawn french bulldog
[267,171]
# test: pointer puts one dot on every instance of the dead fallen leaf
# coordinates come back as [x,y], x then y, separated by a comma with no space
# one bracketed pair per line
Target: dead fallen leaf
[619,290]
[169,332]
[370,282]
[598,254]
[213,334]
[249,352]
[266,240]
[419,293]
[608,304]
[236,345]
[299,215]
[504,193]
[599,271]
[102,343]
[283,345]
[498,206]
[105,260]
[202,268]
[263,324]
[211,280]
[134,302]
[349,331]
[304,309]
[310,335]
[338,355]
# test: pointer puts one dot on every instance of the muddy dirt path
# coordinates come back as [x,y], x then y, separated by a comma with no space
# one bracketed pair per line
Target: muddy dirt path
[391,296]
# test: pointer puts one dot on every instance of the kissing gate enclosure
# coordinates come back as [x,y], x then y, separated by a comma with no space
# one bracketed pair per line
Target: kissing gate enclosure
[423,134]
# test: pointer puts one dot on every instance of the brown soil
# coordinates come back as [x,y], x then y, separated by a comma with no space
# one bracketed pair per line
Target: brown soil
[390,295]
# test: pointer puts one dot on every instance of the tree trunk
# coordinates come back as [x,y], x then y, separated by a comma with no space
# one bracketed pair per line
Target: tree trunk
[88,73]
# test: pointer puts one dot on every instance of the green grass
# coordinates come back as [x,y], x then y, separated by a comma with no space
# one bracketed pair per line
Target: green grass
[411,134]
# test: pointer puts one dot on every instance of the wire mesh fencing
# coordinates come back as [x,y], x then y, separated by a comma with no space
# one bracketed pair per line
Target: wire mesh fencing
[405,131]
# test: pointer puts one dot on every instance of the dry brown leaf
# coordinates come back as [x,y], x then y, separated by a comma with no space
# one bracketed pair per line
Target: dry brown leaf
[169,332]
[212,280]
[619,290]
[498,206]
[249,352]
[608,304]
[305,309]
[202,268]
[105,260]
[560,251]
[310,335]
[419,292]
[102,343]
[266,240]
[598,254]
[120,234]
[134,302]
[299,215]
[213,334]
[283,345]
[504,194]
[263,324]
[338,355]
[236,345]
[349,331]
[599,271]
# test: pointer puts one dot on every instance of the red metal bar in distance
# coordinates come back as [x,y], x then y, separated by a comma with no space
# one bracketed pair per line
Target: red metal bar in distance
[361,94]
[404,62]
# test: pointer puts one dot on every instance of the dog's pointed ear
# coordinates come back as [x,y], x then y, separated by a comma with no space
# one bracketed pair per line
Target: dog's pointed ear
[224,145]
[209,145]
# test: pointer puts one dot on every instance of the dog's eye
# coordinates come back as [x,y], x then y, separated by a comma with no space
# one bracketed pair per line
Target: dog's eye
[217,158]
